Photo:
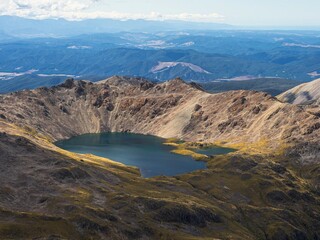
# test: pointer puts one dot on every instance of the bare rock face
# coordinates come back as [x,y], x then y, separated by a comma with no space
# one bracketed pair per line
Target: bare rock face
[170,109]
[69,83]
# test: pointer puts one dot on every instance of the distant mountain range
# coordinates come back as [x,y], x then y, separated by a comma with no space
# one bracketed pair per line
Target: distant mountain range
[36,53]
[273,86]
[22,27]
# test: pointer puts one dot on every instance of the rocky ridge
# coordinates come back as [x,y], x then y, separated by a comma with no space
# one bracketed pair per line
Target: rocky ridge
[170,109]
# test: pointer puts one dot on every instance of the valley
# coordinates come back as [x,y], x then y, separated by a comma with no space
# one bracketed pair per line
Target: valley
[200,56]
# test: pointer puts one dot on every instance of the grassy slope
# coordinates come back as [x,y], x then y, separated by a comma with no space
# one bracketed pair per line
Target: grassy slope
[238,197]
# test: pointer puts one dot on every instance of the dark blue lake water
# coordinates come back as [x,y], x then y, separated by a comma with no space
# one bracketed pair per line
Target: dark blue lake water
[146,152]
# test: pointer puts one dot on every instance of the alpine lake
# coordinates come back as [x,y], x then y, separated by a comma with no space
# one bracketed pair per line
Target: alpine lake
[149,153]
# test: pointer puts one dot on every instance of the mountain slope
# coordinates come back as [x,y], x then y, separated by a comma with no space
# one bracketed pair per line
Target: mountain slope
[121,104]
[255,193]
[307,93]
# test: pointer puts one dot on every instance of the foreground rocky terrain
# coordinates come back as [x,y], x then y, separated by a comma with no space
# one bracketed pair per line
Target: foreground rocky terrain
[268,189]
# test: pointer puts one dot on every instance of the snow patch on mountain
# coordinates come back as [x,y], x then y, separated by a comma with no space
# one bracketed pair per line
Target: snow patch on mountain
[301,45]
[9,75]
[163,66]
[57,75]
[79,47]
[314,74]
[187,44]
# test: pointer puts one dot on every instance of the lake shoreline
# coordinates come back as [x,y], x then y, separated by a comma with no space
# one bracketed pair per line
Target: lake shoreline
[152,155]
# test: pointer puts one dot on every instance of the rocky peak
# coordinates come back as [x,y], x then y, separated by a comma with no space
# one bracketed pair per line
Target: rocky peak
[69,83]
[177,80]
[178,85]
[124,81]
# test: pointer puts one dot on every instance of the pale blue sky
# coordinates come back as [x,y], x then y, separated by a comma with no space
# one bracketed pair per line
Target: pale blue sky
[243,12]
[238,12]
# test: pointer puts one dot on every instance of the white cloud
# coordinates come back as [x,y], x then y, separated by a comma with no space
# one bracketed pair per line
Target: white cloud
[43,8]
[81,9]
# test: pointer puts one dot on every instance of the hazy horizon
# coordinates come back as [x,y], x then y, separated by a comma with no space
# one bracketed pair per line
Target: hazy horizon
[220,26]
[247,13]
